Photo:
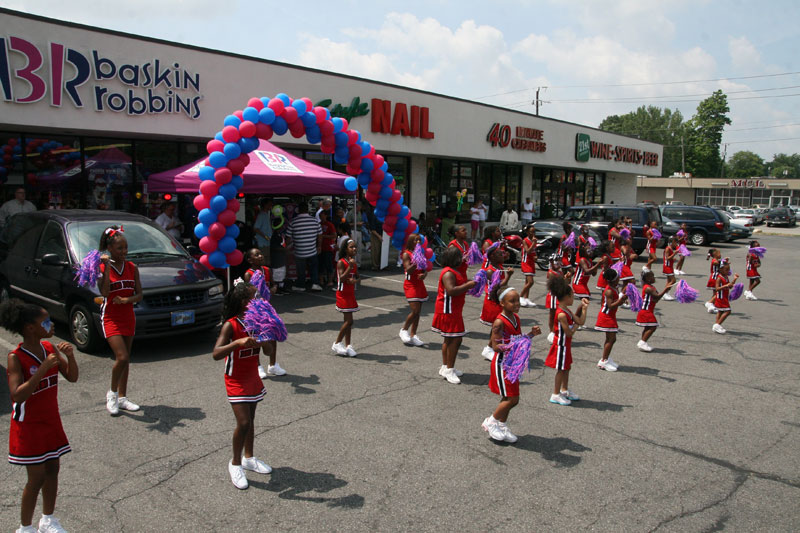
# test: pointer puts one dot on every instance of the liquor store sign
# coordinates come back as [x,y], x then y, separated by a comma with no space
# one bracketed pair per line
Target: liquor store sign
[520,138]
[586,148]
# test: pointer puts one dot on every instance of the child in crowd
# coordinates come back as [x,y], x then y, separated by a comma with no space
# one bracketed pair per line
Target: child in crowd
[255,258]
[120,287]
[560,354]
[646,318]
[491,309]
[347,275]
[416,293]
[459,234]
[752,263]
[721,300]
[716,260]
[610,257]
[327,250]
[494,236]
[683,240]
[506,325]
[528,265]
[447,317]
[627,277]
[343,231]
[669,261]
[550,301]
[565,254]
[610,301]
[242,384]
[652,245]
[584,269]
[36,436]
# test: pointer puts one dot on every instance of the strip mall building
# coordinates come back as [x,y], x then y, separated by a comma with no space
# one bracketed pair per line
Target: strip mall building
[87,114]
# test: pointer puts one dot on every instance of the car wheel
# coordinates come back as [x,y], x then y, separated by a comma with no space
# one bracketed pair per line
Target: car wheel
[698,238]
[769,224]
[81,328]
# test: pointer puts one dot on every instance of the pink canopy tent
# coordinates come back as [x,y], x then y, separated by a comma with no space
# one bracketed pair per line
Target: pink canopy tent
[271,171]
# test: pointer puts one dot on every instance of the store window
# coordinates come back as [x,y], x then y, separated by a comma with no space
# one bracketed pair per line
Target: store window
[53,172]
[11,155]
[152,157]
[399,167]
[109,174]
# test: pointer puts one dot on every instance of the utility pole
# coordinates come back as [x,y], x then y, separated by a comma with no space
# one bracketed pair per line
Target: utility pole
[724,156]
[537,101]
[683,158]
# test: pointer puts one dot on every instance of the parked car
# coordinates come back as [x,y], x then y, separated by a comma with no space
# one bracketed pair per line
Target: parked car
[738,230]
[601,217]
[732,208]
[752,214]
[668,229]
[705,224]
[40,251]
[780,215]
[548,236]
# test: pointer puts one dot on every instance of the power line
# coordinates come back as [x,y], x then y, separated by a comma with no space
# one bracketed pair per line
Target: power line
[636,98]
[735,142]
[662,101]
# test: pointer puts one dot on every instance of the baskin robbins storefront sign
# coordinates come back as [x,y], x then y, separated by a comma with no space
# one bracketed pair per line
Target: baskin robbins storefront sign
[67,76]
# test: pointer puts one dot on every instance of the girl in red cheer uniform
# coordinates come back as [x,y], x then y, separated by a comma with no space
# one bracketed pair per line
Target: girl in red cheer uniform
[528,265]
[560,354]
[652,245]
[752,263]
[716,261]
[255,259]
[416,293]
[721,301]
[646,318]
[459,241]
[610,301]
[347,275]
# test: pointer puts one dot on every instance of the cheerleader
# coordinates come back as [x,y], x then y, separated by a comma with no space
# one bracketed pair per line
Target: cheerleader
[255,258]
[560,355]
[490,308]
[493,236]
[242,384]
[121,289]
[459,241]
[528,265]
[614,236]
[347,276]
[652,245]
[610,256]
[716,260]
[563,252]
[36,437]
[668,267]
[610,301]
[627,277]
[584,269]
[550,301]
[416,293]
[447,317]
[506,325]
[752,263]
[646,318]
[683,240]
[721,301]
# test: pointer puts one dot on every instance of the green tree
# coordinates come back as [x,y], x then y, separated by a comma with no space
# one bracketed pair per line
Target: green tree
[650,123]
[745,164]
[705,135]
[785,166]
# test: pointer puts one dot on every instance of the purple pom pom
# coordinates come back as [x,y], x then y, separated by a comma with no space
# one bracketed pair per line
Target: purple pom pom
[480,284]
[625,233]
[592,243]
[419,259]
[758,251]
[263,323]
[474,255]
[262,287]
[516,357]
[569,242]
[497,279]
[634,298]
[680,233]
[684,293]
[684,251]
[656,233]
[736,291]
[89,270]
[618,267]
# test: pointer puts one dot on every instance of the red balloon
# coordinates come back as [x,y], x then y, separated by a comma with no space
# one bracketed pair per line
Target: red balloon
[208,245]
[309,103]
[222,176]
[238,114]
[276,105]
[352,138]
[289,114]
[209,188]
[395,196]
[327,148]
[355,151]
[374,188]
[328,140]
[378,160]
[231,134]
[12,142]
[391,220]
[263,131]
[371,197]
[388,228]
[320,113]
[200,202]
[394,208]
[234,258]
[227,217]
[236,167]
[376,174]
[245,159]
[256,103]
[217,230]
[204,261]
[326,128]
[234,205]
[345,124]
[214,145]
[297,129]
[412,226]
[428,253]
[247,129]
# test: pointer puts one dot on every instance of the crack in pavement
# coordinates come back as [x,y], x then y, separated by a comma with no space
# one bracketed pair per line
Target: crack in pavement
[739,480]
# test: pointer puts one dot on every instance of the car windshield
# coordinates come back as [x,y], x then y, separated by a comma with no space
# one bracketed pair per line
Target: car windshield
[144,241]
[547,226]
[667,221]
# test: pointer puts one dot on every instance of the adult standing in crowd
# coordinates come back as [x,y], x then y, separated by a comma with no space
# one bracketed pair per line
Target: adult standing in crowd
[509,220]
[18,204]
[305,234]
[375,236]
[475,220]
[262,228]
[325,205]
[527,212]
[169,221]
[483,213]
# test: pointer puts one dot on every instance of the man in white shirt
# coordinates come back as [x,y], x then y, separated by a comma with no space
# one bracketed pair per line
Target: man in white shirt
[527,212]
[509,220]
[16,205]
[169,221]
[325,206]
[483,211]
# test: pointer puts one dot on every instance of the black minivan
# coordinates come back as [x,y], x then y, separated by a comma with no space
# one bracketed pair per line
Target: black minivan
[40,251]
[602,216]
[706,224]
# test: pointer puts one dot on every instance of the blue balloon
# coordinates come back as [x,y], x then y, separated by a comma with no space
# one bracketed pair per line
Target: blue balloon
[364,180]
[232,151]
[398,234]
[17,149]
[217,160]
[397,243]
[300,106]
[403,212]
[232,231]
[387,180]
[382,204]
[283,97]
[402,224]
[265,100]
[385,166]
[237,182]
[206,173]
[251,114]
[350,183]
[341,139]
[340,158]
[308,119]
[218,136]
[248,144]
[313,137]
[207,216]
[217,259]
[279,126]
[342,151]
[228,191]
[232,120]
[226,245]
[218,204]
[266,116]
[381,216]
[366,164]
[386,193]
[201,230]
[365,147]
[416,229]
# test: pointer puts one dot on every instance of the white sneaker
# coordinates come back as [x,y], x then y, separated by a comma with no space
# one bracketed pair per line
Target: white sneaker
[316,288]
[27,529]
[560,400]
[276,370]
[668,297]
[50,524]
[487,353]
[442,370]
[643,346]
[753,296]
[710,307]
[350,351]
[717,328]
[416,341]
[490,426]
[404,336]
[112,403]
[608,364]
[569,395]
[451,377]
[339,348]
[298,288]
[551,336]
[126,405]
[237,476]
[254,465]
[261,372]
[626,305]
[507,435]
[645,269]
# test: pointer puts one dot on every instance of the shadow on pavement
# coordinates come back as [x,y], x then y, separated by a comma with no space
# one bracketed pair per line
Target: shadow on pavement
[165,418]
[599,406]
[743,334]
[673,351]
[298,383]
[712,360]
[385,359]
[552,449]
[475,379]
[645,371]
[292,484]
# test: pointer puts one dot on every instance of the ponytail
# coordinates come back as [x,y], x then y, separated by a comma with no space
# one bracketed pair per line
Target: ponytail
[710,253]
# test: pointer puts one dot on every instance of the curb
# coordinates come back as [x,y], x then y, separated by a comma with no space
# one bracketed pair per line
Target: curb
[762,232]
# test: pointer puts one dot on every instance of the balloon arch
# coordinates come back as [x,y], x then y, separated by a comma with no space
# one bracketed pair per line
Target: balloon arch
[221,176]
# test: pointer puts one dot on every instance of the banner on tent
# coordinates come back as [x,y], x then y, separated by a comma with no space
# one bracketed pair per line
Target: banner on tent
[277,162]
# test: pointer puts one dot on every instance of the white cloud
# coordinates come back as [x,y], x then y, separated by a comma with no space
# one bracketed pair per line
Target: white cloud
[744,55]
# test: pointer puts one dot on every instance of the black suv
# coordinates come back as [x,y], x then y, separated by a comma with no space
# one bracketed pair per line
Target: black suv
[780,215]
[602,217]
[706,224]
[39,253]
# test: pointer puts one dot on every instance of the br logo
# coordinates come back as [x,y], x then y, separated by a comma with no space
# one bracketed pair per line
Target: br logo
[582,147]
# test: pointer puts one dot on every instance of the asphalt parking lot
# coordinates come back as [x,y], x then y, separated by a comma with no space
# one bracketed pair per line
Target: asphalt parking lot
[703,434]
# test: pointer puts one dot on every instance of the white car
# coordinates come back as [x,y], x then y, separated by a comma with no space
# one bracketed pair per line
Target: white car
[746,221]
[732,208]
[758,218]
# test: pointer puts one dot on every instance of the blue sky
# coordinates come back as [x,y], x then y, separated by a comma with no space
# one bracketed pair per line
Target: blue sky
[498,52]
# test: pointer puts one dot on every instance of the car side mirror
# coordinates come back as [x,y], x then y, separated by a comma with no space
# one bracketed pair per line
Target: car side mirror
[53,260]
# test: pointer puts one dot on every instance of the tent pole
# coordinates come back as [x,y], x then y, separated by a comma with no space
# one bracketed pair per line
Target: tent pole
[228,278]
